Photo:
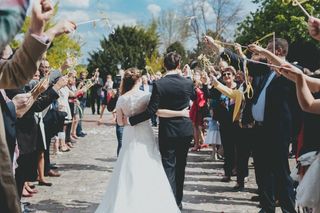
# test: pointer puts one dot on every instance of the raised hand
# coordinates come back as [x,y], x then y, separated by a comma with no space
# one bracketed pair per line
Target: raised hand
[62,82]
[63,27]
[212,44]
[41,12]
[291,72]
[314,27]
[22,103]
[255,48]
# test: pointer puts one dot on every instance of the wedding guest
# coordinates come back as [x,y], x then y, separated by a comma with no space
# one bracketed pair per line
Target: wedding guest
[95,92]
[24,61]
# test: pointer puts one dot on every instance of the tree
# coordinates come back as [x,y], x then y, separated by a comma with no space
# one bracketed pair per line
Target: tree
[128,47]
[172,27]
[154,64]
[178,48]
[287,22]
[215,15]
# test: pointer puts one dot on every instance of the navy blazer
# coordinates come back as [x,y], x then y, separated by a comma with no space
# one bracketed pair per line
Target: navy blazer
[9,119]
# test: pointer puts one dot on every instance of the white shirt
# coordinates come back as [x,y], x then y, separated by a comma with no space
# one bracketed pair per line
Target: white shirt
[146,87]
[258,108]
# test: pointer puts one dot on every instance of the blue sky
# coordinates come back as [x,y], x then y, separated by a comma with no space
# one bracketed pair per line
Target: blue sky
[119,12]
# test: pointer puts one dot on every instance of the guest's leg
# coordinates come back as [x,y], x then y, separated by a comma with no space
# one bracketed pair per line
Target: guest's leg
[243,154]
[98,104]
[284,182]
[93,101]
[229,150]
[47,157]
[20,173]
[41,167]
[119,132]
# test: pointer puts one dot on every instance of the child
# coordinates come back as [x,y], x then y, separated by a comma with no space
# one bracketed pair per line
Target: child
[213,135]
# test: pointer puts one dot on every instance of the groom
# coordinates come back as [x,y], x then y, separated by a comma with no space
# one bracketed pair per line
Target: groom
[175,134]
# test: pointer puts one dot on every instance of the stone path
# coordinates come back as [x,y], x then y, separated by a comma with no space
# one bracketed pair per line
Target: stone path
[87,168]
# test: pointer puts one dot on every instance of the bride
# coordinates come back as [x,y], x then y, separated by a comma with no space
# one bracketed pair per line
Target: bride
[138,183]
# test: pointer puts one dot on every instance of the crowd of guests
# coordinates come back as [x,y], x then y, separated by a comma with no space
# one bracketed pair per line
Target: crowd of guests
[258,107]
[39,105]
[244,107]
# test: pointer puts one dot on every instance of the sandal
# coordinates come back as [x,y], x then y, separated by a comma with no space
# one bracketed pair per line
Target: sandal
[64,149]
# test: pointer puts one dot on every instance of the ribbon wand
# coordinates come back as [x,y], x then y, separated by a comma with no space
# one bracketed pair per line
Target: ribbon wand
[91,21]
[302,8]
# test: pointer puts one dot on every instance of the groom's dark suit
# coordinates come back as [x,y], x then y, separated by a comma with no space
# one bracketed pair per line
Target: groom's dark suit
[175,134]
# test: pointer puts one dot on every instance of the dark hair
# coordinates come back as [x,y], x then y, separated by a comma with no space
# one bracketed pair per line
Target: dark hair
[129,79]
[172,61]
[280,43]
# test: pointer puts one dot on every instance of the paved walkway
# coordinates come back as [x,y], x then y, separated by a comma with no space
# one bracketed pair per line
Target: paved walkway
[87,168]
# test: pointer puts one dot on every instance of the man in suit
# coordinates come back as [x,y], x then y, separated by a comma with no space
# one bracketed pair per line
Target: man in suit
[175,134]
[277,114]
[95,92]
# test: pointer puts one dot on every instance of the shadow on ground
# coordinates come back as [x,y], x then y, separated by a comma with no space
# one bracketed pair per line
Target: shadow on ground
[73,206]
[68,167]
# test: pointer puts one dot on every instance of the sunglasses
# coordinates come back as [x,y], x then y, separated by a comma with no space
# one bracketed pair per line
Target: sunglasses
[226,74]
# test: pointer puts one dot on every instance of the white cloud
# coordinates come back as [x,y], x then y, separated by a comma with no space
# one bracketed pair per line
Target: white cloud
[76,16]
[119,19]
[76,3]
[154,9]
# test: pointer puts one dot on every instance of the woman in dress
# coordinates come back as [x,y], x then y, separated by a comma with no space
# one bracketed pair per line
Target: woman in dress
[138,183]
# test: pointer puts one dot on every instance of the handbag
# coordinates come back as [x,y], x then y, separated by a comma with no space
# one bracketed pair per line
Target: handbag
[52,121]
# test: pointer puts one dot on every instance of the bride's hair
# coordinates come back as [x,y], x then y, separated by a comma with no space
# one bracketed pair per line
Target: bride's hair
[130,78]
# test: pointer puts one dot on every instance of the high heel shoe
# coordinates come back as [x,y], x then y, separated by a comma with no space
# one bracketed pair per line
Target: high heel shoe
[74,136]
[64,148]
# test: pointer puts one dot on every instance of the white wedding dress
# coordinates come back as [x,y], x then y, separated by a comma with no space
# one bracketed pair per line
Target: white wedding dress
[138,183]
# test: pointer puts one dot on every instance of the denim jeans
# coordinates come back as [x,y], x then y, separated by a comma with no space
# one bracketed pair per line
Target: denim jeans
[82,106]
[119,132]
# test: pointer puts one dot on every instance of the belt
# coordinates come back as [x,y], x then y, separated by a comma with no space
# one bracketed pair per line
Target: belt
[258,123]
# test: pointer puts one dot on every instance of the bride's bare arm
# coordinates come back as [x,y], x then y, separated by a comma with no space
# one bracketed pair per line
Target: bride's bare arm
[166,113]
[120,117]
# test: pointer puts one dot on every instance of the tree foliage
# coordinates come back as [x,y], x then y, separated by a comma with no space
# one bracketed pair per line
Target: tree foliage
[178,48]
[287,21]
[128,47]
[57,53]
[172,27]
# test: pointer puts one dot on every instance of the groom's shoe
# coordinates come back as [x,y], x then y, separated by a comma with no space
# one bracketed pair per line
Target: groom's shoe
[180,206]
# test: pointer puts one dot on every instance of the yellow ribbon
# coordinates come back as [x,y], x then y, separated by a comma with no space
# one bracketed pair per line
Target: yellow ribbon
[294,2]
[249,89]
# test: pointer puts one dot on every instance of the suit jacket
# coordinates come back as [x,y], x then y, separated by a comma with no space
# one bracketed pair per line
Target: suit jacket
[27,126]
[171,92]
[282,113]
[97,87]
[20,69]
[10,118]
[14,73]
